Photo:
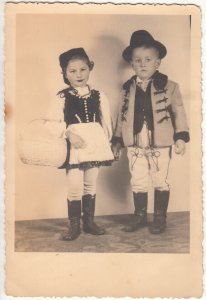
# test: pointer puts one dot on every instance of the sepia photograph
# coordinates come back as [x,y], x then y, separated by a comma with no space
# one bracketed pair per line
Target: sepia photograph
[103,145]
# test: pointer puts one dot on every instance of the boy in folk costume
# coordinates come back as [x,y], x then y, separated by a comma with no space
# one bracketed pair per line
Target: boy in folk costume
[150,121]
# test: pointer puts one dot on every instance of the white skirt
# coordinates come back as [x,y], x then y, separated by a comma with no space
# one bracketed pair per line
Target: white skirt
[97,145]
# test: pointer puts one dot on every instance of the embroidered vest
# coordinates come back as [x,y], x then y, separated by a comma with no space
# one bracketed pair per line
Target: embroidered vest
[81,110]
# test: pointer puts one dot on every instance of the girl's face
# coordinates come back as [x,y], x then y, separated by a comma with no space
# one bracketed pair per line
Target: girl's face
[145,61]
[77,72]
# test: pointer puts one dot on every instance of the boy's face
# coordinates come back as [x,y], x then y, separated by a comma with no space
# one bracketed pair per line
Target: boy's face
[145,62]
[77,72]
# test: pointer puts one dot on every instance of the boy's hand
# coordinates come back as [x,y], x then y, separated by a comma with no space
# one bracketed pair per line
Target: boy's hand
[180,147]
[116,149]
[76,141]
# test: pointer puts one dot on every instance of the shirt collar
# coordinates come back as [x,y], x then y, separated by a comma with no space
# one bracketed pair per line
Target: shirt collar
[138,80]
[143,84]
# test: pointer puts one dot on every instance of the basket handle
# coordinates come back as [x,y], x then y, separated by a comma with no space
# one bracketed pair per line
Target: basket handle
[23,131]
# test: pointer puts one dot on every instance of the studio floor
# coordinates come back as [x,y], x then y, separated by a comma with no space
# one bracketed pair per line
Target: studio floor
[44,236]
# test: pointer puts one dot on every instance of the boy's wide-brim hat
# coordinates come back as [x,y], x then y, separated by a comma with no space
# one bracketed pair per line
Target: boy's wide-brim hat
[65,57]
[143,38]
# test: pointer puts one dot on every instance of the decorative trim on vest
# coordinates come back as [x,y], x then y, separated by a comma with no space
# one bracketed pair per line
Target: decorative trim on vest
[160,81]
[168,113]
[79,112]
[90,164]
[162,100]
[183,135]
[64,92]
[126,88]
[126,85]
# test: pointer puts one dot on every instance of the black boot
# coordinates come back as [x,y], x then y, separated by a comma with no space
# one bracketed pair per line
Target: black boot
[161,201]
[140,214]
[74,213]
[88,208]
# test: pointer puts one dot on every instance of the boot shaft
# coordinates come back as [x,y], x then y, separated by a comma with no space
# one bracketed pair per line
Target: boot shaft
[140,202]
[161,201]
[88,205]
[160,212]
[74,215]
[88,208]
[74,209]
[139,219]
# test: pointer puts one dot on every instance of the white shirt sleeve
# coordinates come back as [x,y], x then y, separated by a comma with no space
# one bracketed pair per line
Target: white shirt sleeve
[55,117]
[105,115]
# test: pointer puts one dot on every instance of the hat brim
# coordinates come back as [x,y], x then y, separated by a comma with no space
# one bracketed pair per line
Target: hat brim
[127,53]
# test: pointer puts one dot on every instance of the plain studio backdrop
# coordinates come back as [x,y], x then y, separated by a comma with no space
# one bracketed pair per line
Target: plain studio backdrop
[40,192]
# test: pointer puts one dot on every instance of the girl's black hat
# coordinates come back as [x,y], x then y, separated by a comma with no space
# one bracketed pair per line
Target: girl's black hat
[65,57]
[143,38]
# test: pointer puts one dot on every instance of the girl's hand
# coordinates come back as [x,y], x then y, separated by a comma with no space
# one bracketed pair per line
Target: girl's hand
[180,147]
[116,149]
[76,141]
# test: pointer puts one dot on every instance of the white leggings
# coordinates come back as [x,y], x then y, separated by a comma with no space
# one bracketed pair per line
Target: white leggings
[145,163]
[81,182]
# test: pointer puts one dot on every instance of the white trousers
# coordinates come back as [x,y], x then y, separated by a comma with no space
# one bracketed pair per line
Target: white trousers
[81,182]
[145,163]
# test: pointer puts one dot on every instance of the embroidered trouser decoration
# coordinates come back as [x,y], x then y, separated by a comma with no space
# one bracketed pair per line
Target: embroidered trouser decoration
[149,162]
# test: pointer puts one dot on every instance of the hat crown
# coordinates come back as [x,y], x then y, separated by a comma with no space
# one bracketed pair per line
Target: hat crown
[141,37]
[68,55]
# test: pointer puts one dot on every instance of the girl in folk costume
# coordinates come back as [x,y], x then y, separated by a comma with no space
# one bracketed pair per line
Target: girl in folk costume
[85,115]
[150,121]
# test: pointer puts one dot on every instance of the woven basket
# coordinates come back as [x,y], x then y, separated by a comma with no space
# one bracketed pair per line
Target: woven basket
[42,151]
